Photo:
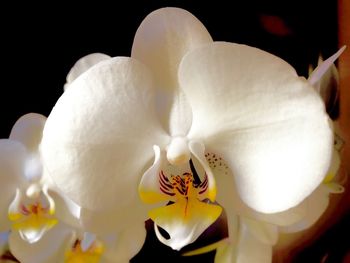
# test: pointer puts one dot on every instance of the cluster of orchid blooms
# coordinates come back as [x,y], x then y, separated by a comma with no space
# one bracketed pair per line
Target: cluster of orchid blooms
[179,132]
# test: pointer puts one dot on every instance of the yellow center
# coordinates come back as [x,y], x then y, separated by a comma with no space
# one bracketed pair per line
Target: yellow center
[91,255]
[32,217]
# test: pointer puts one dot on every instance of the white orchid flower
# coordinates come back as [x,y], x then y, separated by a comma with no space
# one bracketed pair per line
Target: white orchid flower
[27,205]
[189,99]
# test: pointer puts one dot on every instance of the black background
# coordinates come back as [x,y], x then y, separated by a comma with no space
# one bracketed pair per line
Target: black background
[41,42]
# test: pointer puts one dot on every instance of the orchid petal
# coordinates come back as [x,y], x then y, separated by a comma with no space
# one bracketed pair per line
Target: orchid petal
[32,218]
[65,209]
[327,84]
[264,232]
[28,130]
[83,65]
[99,156]
[225,253]
[33,167]
[12,161]
[122,247]
[250,249]
[334,188]
[161,41]
[316,204]
[163,38]
[113,220]
[229,199]
[47,250]
[184,220]
[319,72]
[328,88]
[272,129]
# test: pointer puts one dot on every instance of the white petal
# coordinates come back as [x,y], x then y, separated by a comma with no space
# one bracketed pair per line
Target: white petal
[264,232]
[328,87]
[125,245]
[161,41]
[163,38]
[318,73]
[33,167]
[269,125]
[225,253]
[65,209]
[49,249]
[99,136]
[12,160]
[250,249]
[28,130]
[325,80]
[316,205]
[228,198]
[83,65]
[113,220]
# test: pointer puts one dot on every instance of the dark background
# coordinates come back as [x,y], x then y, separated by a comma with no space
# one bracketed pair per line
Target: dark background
[41,42]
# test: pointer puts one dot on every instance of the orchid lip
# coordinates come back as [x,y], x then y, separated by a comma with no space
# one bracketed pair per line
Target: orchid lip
[188,186]
[185,185]
[32,215]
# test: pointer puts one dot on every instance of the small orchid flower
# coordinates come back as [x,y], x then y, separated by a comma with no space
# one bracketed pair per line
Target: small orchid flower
[183,99]
[71,245]
[27,205]
[31,211]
